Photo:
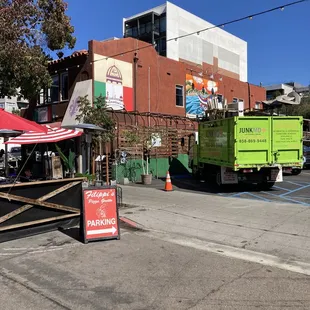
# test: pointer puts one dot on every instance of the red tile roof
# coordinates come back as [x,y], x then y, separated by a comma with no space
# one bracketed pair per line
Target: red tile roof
[73,55]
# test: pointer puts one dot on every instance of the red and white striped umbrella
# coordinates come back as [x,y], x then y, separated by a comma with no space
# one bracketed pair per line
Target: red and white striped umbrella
[53,135]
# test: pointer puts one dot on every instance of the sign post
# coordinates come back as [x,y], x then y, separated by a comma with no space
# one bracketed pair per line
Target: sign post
[100,214]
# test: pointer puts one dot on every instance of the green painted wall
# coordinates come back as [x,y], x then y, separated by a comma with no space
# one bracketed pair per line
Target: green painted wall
[99,89]
[133,168]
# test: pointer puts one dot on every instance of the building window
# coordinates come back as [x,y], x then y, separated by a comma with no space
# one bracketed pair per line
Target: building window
[257,106]
[162,25]
[156,25]
[142,29]
[64,86]
[179,95]
[129,32]
[219,98]
[148,28]
[84,76]
[235,100]
[54,90]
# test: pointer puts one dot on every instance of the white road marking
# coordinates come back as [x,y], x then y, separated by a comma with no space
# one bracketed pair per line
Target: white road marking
[35,250]
[233,252]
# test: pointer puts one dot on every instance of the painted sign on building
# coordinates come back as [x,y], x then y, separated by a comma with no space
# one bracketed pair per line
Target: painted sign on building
[43,114]
[199,94]
[81,89]
[113,80]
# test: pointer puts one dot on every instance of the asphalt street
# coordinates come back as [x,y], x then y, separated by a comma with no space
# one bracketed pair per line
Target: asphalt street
[55,271]
[195,253]
[293,189]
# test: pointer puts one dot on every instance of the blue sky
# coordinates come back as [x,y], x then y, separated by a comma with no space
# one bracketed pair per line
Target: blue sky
[278,42]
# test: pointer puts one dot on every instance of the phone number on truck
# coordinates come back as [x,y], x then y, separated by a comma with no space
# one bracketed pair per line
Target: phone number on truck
[252,140]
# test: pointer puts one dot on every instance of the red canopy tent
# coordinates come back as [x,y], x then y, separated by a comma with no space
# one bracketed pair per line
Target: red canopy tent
[15,122]
[52,135]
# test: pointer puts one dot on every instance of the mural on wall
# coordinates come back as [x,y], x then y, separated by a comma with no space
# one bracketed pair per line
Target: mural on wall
[114,89]
[113,80]
[199,94]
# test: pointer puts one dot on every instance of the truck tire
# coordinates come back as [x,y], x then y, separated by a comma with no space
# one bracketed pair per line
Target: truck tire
[296,171]
[196,173]
[265,186]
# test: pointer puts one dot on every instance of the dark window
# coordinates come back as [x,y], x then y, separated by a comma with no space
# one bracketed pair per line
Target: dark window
[157,47]
[54,91]
[179,96]
[84,76]
[156,25]
[148,27]
[162,25]
[220,98]
[235,100]
[163,44]
[129,32]
[134,32]
[142,29]
[64,86]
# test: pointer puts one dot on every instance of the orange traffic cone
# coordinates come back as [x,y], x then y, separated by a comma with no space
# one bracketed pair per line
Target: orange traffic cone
[168,185]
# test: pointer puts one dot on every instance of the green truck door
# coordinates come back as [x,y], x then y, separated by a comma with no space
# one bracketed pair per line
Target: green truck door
[287,139]
[253,145]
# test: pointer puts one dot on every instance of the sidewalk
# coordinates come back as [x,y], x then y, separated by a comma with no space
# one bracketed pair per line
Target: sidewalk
[278,229]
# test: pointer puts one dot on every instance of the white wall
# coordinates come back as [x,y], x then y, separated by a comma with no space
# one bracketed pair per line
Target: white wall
[230,50]
[2,145]
[9,103]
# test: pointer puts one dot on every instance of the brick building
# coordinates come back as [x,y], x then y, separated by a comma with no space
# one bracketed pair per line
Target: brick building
[139,80]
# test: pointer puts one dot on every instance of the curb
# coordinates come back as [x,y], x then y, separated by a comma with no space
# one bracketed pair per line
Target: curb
[131,223]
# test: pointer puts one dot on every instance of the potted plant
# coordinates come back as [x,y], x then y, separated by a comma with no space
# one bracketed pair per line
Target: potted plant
[151,138]
[90,178]
[145,139]
[69,162]
[146,177]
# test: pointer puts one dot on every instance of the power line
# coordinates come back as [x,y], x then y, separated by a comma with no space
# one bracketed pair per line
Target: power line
[221,25]
[281,7]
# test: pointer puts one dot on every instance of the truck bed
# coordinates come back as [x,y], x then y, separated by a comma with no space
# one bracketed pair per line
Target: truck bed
[252,142]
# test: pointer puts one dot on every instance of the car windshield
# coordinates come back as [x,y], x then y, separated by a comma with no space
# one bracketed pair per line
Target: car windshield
[15,150]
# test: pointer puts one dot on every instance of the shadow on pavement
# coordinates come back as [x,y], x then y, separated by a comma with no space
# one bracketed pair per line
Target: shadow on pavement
[73,233]
[191,184]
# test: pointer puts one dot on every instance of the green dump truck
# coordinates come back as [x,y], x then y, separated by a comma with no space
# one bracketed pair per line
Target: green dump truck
[249,149]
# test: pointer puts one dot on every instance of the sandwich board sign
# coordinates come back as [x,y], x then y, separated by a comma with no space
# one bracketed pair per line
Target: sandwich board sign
[100,214]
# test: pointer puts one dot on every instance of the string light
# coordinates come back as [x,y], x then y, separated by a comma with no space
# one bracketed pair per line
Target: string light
[222,25]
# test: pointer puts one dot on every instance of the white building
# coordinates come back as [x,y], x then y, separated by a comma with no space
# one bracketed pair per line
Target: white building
[285,88]
[224,51]
[12,103]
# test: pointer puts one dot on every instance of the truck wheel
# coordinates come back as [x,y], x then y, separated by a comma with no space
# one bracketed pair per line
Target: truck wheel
[265,186]
[196,173]
[296,171]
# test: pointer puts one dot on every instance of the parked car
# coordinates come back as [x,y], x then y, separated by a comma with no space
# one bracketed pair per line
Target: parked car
[306,157]
[306,162]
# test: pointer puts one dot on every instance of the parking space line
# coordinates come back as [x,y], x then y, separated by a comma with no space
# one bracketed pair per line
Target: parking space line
[288,199]
[296,183]
[259,197]
[238,194]
[295,190]
[282,188]
[250,194]
[300,197]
